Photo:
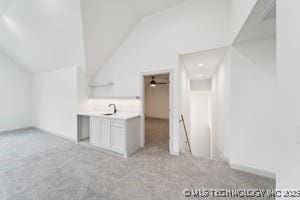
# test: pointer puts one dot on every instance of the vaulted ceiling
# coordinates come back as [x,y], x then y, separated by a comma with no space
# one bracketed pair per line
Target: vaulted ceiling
[43,35]
[107,23]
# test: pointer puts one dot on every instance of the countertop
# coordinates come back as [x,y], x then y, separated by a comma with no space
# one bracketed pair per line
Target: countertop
[118,115]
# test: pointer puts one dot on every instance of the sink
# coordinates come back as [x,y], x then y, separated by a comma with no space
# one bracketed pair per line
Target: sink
[108,114]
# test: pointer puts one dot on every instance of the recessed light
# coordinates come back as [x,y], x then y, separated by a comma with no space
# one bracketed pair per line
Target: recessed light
[201,76]
[201,65]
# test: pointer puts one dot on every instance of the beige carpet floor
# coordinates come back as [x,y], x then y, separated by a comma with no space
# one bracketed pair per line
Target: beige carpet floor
[38,166]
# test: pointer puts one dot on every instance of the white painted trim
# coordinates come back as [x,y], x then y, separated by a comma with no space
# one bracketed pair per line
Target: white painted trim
[253,170]
[171,105]
[57,135]
[18,129]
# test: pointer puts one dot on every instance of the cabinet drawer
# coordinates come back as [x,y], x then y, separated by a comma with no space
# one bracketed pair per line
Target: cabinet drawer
[118,123]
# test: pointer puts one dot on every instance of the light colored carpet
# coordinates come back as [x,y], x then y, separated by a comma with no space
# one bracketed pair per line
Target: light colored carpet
[38,166]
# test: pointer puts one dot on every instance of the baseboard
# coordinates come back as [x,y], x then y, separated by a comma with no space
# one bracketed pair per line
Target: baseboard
[253,171]
[17,129]
[56,134]
[174,153]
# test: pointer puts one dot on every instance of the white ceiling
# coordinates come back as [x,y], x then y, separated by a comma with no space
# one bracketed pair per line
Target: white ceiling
[107,24]
[260,24]
[210,61]
[42,35]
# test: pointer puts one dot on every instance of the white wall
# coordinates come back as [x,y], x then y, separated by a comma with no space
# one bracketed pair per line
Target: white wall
[83,91]
[239,12]
[15,100]
[200,117]
[185,107]
[55,102]
[157,41]
[201,85]
[288,130]
[102,38]
[221,85]
[253,108]
[157,101]
[123,105]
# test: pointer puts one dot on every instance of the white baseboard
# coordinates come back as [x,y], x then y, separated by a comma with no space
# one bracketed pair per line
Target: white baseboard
[57,134]
[174,153]
[253,171]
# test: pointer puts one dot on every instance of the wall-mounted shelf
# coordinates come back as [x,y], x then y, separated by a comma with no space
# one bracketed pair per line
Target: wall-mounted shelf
[97,84]
[114,97]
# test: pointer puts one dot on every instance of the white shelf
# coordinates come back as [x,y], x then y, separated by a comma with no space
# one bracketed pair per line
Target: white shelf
[95,84]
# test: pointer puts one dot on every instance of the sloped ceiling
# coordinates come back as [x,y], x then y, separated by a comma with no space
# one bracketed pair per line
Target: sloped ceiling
[42,35]
[107,23]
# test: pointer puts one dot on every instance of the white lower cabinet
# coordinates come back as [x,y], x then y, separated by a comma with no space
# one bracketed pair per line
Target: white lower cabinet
[120,136]
[117,142]
[105,133]
[95,126]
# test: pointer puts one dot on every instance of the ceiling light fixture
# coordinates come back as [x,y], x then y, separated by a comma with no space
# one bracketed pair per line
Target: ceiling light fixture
[153,83]
[201,65]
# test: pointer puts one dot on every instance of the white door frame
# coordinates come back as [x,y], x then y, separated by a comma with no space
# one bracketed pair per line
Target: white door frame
[171,100]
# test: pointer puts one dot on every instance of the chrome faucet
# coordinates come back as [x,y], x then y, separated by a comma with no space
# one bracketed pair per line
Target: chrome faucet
[115,108]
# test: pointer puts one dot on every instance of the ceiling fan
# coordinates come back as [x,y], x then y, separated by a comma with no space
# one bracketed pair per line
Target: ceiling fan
[153,83]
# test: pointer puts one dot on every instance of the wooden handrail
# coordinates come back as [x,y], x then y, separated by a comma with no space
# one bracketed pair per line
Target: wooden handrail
[186,135]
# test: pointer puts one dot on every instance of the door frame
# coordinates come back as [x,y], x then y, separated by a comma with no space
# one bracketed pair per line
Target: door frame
[170,72]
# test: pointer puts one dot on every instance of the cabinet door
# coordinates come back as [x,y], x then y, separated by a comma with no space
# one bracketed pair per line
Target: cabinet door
[118,139]
[105,133]
[95,130]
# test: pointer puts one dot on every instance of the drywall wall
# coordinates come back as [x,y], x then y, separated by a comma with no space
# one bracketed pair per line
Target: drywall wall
[157,101]
[200,116]
[221,86]
[55,102]
[83,91]
[201,85]
[253,108]
[15,101]
[102,38]
[43,35]
[288,127]
[239,12]
[185,108]
[123,105]
[156,42]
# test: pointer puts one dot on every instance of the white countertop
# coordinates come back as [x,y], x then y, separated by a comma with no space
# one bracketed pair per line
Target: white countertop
[118,115]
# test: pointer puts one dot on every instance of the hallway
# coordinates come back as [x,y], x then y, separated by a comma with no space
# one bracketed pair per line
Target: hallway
[157,134]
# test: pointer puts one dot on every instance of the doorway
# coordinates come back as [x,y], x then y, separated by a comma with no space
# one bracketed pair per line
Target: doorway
[156,108]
